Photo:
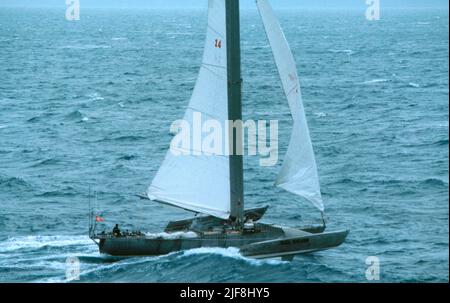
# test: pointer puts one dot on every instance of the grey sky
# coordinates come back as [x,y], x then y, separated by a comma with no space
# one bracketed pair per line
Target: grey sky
[244,3]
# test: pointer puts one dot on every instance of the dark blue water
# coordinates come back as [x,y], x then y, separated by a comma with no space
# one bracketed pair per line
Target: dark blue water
[89,104]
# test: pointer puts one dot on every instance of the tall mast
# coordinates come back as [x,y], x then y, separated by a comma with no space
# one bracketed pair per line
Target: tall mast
[235,110]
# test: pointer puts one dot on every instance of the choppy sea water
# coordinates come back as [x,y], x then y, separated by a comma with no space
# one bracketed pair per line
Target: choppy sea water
[88,104]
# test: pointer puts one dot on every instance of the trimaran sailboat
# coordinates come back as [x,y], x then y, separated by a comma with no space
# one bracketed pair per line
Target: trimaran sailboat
[213,184]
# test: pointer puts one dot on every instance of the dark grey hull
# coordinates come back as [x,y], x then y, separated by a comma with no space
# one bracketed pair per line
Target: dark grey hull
[266,241]
[288,247]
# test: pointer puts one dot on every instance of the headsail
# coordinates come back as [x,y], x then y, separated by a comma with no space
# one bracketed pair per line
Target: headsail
[201,183]
[298,174]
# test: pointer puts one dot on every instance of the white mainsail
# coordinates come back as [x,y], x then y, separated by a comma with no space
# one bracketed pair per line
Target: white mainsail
[298,174]
[201,183]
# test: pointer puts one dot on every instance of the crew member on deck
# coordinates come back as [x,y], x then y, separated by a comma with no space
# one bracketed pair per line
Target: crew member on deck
[116,231]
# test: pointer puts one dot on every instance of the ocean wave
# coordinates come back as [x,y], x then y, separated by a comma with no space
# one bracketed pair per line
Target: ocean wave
[350,106]
[230,252]
[375,81]
[131,74]
[108,264]
[5,39]
[140,168]
[320,114]
[95,97]
[85,47]
[412,84]
[12,244]
[347,181]
[129,138]
[403,80]
[387,182]
[441,142]
[434,182]
[296,217]
[331,150]
[66,192]
[13,182]
[343,51]
[75,115]
[175,34]
[265,87]
[46,162]
[34,119]
[260,47]
[127,157]
[40,258]
[39,118]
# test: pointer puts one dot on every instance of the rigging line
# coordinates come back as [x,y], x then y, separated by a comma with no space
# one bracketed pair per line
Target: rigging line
[185,206]
[296,86]
[215,31]
[210,116]
[212,71]
[214,65]
[201,153]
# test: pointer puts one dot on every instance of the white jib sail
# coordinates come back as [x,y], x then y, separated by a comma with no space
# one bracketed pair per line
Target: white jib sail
[201,183]
[298,174]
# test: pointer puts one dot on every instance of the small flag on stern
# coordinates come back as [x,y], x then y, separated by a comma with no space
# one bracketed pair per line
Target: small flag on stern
[99,219]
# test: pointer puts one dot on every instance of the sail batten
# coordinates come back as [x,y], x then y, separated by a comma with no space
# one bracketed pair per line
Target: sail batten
[298,174]
[201,183]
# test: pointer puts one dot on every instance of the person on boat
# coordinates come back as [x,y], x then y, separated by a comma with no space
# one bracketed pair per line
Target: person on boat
[116,231]
[249,225]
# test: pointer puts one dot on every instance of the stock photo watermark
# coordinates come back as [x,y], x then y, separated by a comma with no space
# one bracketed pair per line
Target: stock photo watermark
[213,137]
[72,10]
[373,271]
[373,10]
[72,269]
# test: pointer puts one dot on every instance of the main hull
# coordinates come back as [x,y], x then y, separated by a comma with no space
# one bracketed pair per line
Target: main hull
[264,242]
